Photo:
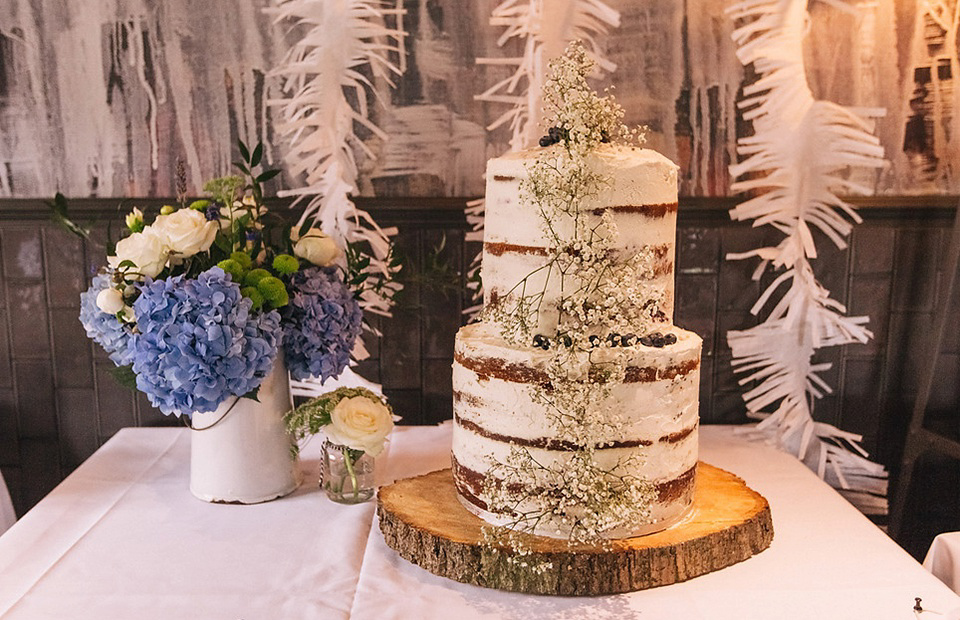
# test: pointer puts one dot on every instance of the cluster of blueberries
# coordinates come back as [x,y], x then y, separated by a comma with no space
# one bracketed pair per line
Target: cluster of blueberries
[656,339]
[542,342]
[554,135]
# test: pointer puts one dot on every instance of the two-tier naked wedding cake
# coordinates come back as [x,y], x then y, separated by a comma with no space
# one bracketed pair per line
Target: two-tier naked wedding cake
[652,409]
[575,396]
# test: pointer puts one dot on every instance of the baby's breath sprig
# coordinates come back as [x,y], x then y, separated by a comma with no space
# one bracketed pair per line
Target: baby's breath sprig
[581,497]
[584,118]
[599,291]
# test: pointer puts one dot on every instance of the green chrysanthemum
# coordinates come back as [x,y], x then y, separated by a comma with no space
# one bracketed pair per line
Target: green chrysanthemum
[254,276]
[243,258]
[273,291]
[284,264]
[233,268]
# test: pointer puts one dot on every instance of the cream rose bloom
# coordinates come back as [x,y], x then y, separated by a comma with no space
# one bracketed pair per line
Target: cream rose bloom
[186,231]
[360,423]
[317,247]
[110,300]
[147,250]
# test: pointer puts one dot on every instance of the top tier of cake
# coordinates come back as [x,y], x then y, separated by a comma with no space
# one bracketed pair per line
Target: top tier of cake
[641,196]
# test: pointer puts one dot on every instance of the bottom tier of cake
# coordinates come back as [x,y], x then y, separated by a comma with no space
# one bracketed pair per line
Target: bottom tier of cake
[506,435]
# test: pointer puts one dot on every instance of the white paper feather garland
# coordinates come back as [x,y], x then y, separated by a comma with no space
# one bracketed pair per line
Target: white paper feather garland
[542,29]
[325,87]
[795,165]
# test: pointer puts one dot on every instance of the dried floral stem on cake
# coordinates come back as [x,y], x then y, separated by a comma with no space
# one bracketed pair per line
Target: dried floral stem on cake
[585,494]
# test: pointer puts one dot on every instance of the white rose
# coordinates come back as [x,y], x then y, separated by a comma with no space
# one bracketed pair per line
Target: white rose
[360,423]
[110,300]
[127,315]
[186,231]
[317,247]
[147,250]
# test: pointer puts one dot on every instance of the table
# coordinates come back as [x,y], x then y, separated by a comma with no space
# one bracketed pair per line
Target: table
[943,559]
[122,537]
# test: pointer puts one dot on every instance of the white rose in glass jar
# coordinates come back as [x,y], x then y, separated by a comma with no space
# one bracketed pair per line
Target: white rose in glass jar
[186,231]
[360,423]
[316,247]
[147,250]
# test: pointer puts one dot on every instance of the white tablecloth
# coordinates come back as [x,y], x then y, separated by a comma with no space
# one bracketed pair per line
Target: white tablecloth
[123,538]
[943,559]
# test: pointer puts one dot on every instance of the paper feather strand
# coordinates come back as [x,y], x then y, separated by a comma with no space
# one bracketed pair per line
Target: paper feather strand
[325,87]
[794,166]
[542,29]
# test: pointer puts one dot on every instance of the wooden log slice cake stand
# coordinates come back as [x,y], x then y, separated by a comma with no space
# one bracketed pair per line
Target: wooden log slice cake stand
[422,519]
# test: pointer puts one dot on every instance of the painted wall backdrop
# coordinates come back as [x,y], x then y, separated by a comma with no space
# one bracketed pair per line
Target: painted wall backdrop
[100,97]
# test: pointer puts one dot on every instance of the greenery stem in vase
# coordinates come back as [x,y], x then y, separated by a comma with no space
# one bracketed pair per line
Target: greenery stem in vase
[348,461]
[348,475]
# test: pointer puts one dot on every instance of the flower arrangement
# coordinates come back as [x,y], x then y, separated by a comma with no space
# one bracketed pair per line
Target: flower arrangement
[356,423]
[198,302]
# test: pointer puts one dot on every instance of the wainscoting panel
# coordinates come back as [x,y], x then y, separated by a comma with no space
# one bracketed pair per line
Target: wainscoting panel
[58,402]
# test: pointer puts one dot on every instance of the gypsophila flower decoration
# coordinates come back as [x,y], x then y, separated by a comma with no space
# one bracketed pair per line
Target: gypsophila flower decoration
[193,306]
[356,423]
[589,498]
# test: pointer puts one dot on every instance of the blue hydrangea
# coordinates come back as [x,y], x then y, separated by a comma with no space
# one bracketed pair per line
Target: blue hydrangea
[199,343]
[103,328]
[321,323]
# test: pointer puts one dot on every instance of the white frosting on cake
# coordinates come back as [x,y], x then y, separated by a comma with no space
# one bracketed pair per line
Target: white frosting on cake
[653,412]
[506,406]
[640,193]
[495,407]
[637,176]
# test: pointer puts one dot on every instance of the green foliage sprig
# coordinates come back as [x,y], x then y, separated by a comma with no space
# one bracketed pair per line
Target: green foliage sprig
[250,161]
[436,275]
[366,281]
[59,214]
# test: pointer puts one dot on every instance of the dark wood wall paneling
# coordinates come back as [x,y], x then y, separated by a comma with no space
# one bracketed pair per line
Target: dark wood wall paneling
[58,402]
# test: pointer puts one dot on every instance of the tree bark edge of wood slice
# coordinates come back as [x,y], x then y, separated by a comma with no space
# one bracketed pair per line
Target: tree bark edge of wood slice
[422,519]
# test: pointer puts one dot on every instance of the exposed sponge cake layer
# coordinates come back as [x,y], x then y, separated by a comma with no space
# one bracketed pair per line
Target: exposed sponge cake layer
[651,432]
[640,197]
